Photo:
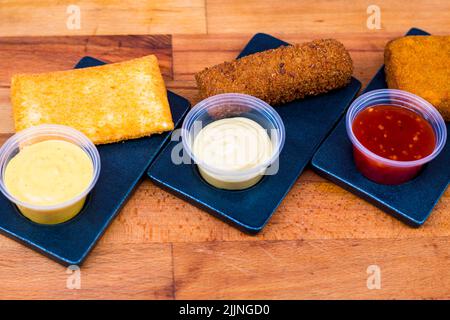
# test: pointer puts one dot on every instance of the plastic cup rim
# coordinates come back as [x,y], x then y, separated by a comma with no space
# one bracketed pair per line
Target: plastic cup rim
[412,98]
[262,108]
[50,130]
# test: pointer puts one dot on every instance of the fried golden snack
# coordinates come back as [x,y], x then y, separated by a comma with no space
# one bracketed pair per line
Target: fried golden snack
[108,103]
[281,75]
[421,65]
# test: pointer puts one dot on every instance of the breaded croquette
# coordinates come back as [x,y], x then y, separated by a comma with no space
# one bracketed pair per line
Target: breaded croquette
[421,65]
[281,75]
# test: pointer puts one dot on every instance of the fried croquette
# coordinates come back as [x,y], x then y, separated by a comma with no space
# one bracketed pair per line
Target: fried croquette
[281,75]
[421,65]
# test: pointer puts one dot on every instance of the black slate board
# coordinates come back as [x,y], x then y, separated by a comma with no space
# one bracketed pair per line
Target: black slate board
[411,202]
[122,166]
[307,122]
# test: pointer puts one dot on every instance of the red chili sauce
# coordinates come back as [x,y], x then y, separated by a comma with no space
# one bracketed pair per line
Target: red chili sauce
[393,133]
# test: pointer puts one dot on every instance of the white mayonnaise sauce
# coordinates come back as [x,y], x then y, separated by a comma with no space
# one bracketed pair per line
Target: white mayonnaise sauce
[227,149]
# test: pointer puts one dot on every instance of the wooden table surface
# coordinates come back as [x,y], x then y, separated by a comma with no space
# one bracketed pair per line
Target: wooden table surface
[321,240]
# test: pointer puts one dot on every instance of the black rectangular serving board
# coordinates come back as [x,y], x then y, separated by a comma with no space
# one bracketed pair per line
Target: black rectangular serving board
[411,202]
[307,122]
[122,166]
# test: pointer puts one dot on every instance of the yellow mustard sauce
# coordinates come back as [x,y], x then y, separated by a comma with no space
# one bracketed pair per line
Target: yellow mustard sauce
[49,173]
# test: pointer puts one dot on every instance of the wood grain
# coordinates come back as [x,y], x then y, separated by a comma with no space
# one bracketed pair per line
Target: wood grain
[145,273]
[314,209]
[31,54]
[315,269]
[321,15]
[102,17]
[320,241]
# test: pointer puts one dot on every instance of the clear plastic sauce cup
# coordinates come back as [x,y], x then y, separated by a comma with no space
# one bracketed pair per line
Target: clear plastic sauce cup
[231,105]
[57,213]
[388,171]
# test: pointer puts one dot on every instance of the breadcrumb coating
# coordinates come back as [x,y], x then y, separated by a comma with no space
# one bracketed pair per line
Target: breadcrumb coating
[421,65]
[281,75]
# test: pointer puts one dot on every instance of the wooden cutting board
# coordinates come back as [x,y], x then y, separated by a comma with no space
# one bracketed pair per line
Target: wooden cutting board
[319,243]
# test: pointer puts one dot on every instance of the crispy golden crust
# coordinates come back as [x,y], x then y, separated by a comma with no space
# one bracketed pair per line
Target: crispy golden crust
[281,75]
[108,103]
[421,65]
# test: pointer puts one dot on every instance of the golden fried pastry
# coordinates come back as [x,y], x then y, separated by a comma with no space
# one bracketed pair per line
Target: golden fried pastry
[108,103]
[421,65]
[281,75]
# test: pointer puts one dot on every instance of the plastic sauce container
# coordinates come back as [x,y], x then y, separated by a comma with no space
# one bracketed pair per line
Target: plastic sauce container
[59,212]
[228,106]
[386,170]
